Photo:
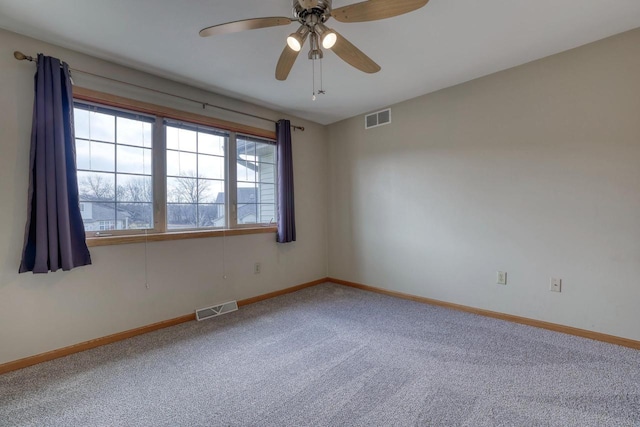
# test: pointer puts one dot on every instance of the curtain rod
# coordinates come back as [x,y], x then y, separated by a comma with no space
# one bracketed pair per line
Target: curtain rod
[22,57]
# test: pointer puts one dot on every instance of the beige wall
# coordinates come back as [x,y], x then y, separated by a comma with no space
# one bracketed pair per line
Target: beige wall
[534,171]
[39,313]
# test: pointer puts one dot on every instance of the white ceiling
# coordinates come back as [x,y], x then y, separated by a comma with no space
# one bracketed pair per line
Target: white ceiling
[445,43]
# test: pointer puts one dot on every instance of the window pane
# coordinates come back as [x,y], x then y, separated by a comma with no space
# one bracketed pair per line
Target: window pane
[134,188]
[132,216]
[210,215]
[266,152]
[266,173]
[134,132]
[102,127]
[266,213]
[246,149]
[81,123]
[98,216]
[83,154]
[246,171]
[181,216]
[95,186]
[134,160]
[181,164]
[182,190]
[181,139]
[210,167]
[211,144]
[210,191]
[248,194]
[220,216]
[266,193]
[247,213]
[97,156]
[240,148]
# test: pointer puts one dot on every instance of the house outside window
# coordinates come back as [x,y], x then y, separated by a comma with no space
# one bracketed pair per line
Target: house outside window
[107,225]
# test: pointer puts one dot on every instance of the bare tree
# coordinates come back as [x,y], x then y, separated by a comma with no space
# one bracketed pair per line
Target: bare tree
[136,190]
[96,187]
[189,190]
[135,197]
[188,193]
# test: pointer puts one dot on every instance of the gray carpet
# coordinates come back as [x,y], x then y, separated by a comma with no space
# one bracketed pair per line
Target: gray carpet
[334,356]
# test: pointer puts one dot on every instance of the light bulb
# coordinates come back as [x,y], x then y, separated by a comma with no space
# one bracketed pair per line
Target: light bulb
[313,98]
[329,40]
[296,40]
[294,43]
[327,35]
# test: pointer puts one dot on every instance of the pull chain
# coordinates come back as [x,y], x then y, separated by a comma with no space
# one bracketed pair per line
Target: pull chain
[321,91]
[313,78]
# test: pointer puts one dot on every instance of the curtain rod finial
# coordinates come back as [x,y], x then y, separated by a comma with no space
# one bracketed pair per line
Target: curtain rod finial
[21,56]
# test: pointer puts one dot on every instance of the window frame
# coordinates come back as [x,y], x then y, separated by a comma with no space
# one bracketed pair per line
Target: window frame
[90,106]
[234,180]
[159,168]
[227,166]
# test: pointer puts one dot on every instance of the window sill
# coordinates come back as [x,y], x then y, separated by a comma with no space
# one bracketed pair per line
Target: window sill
[178,235]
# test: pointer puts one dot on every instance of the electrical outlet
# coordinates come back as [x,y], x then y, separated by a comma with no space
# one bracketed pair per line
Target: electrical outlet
[555,284]
[257,268]
[501,278]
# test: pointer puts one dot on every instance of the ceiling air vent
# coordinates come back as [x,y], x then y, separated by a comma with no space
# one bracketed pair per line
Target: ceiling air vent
[377,119]
[216,310]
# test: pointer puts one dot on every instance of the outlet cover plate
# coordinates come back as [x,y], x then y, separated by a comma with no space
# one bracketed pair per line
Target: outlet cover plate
[555,284]
[501,278]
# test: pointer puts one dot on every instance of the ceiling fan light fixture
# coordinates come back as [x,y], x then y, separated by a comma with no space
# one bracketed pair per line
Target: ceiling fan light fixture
[329,40]
[296,40]
[328,37]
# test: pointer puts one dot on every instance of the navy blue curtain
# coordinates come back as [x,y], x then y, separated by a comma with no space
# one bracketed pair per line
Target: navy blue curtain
[286,206]
[54,234]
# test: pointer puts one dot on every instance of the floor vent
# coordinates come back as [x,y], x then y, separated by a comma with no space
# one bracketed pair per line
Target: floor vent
[216,310]
[378,118]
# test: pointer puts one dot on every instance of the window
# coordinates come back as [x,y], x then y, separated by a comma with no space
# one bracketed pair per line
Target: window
[139,172]
[195,176]
[256,174]
[113,154]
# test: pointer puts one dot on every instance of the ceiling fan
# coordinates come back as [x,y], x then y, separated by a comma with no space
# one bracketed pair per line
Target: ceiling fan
[312,15]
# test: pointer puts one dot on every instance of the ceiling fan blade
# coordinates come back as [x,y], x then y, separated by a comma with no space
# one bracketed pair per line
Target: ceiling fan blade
[285,63]
[245,24]
[354,56]
[373,10]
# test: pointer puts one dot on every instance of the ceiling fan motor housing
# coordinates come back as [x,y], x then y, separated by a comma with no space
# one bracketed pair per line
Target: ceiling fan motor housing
[319,8]
[308,4]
